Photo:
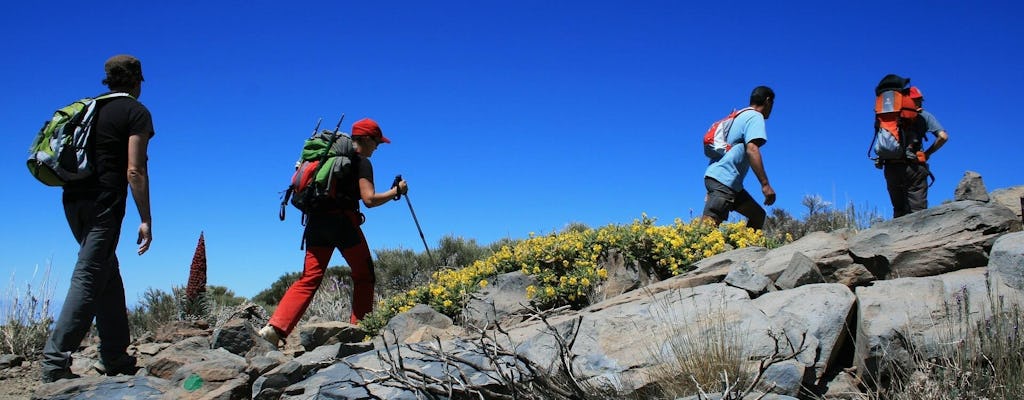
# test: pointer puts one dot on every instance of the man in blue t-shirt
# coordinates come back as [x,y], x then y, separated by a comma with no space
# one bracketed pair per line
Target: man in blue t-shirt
[723,178]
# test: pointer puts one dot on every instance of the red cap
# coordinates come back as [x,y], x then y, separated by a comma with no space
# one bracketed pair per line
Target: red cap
[915,93]
[368,127]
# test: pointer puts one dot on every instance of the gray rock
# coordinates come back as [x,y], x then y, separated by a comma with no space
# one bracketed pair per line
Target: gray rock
[95,387]
[728,259]
[829,251]
[744,277]
[10,360]
[349,349]
[817,312]
[403,325]
[238,336]
[787,376]
[1009,198]
[623,275]
[322,333]
[944,238]
[500,302]
[894,315]
[272,383]
[845,386]
[971,187]
[1006,261]
[801,271]
[190,350]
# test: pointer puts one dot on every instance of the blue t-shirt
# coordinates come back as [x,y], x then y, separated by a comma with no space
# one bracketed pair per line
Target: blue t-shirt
[933,124]
[733,166]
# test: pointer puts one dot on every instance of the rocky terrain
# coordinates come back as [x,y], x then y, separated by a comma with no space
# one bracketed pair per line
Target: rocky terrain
[827,309]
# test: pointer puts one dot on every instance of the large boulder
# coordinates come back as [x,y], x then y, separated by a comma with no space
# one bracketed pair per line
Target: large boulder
[945,238]
[626,340]
[901,316]
[95,387]
[971,187]
[1010,197]
[829,252]
[1006,261]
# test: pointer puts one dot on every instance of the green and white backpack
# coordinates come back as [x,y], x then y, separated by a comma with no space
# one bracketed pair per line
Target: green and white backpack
[59,152]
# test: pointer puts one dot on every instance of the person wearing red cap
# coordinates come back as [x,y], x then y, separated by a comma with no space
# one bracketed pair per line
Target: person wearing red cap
[907,180]
[337,226]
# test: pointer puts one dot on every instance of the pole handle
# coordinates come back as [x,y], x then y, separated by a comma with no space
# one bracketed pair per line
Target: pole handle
[398,178]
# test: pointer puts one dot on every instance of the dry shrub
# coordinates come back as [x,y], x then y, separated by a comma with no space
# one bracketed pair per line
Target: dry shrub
[26,316]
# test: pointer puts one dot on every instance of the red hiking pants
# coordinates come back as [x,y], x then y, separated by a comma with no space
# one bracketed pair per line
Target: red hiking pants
[323,235]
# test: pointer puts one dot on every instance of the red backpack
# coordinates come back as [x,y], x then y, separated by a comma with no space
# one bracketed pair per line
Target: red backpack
[716,138]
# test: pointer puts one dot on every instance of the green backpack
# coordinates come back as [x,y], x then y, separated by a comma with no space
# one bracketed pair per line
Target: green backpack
[327,158]
[59,152]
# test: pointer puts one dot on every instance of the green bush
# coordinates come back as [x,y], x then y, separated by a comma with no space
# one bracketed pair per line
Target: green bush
[155,309]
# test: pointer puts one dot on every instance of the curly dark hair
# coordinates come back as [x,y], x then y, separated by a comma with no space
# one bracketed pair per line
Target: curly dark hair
[123,72]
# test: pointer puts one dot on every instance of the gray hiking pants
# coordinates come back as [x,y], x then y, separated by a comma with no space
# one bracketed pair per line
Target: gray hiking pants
[907,183]
[96,290]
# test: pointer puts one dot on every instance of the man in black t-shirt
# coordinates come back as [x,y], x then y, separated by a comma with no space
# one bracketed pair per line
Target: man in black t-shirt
[95,208]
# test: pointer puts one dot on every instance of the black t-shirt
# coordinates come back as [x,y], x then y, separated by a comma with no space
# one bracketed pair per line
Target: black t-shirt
[349,200]
[116,120]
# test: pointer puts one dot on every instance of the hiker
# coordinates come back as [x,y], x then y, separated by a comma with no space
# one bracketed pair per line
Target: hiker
[336,225]
[723,179]
[95,208]
[906,178]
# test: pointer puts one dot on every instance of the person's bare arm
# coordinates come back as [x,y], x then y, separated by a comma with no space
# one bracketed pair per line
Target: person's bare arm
[757,164]
[138,181]
[373,199]
[940,139]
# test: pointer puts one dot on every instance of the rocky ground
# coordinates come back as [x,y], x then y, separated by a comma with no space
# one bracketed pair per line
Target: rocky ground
[899,275]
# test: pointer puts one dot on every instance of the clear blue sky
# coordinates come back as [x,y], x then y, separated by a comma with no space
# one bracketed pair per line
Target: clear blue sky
[506,117]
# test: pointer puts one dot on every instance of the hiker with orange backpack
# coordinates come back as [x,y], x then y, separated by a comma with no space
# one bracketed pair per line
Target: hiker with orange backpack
[742,141]
[901,127]
[334,223]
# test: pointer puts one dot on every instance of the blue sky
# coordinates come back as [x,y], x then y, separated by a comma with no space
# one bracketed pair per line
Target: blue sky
[506,117]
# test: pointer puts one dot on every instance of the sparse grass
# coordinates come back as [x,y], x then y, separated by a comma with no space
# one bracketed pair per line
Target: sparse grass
[332,302]
[821,215]
[26,316]
[696,353]
[975,359]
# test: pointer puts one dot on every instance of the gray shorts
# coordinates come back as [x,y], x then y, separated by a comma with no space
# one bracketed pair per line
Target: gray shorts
[723,199]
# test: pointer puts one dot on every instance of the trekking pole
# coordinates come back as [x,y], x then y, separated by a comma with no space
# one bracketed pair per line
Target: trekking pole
[398,178]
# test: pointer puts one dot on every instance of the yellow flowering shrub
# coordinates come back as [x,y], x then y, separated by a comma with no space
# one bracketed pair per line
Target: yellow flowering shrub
[566,264]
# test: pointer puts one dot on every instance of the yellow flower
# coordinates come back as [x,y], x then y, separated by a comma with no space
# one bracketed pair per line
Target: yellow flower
[483,283]
[531,291]
[549,291]
[572,281]
[602,273]
[447,303]
[585,282]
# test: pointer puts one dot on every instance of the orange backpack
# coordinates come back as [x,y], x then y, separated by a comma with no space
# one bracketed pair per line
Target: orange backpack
[895,111]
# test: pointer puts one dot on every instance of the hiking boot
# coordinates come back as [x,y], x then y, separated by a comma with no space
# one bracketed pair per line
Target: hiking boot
[125,365]
[270,334]
[56,375]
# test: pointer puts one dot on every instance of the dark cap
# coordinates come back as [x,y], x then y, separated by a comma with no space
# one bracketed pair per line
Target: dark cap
[123,65]
[368,127]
